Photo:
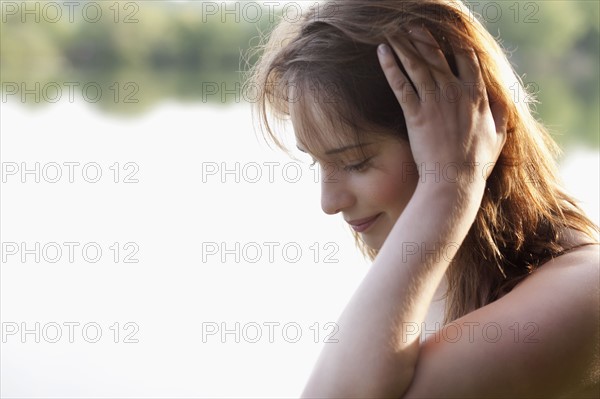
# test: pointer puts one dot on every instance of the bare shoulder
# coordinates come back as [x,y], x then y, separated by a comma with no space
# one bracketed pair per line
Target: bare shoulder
[539,340]
[585,255]
[575,271]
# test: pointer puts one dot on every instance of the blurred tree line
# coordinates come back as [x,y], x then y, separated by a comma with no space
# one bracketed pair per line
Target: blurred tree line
[141,53]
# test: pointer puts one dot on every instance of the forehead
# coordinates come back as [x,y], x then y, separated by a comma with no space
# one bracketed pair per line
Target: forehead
[321,126]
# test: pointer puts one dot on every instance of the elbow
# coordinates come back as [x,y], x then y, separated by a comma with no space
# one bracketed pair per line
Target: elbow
[363,381]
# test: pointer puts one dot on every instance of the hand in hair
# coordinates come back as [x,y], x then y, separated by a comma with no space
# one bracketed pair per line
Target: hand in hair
[449,118]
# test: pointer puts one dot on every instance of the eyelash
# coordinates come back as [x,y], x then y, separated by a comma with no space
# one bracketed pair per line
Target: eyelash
[359,167]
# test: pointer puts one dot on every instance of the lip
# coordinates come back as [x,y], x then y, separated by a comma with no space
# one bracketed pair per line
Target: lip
[361,225]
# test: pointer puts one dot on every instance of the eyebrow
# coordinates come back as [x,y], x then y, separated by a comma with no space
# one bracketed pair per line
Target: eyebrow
[339,150]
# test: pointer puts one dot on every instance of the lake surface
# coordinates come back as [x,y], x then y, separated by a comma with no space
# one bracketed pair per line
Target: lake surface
[170,254]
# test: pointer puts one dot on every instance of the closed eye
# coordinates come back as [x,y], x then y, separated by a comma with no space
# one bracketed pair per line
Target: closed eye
[359,167]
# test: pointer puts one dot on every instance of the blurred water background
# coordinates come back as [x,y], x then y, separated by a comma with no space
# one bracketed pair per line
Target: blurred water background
[150,94]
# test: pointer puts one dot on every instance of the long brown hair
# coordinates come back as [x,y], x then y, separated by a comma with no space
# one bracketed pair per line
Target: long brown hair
[333,47]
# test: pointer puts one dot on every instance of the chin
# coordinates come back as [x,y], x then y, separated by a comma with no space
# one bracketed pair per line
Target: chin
[373,243]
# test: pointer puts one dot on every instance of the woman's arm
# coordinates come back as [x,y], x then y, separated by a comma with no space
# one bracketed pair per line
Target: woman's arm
[541,340]
[377,350]
[378,347]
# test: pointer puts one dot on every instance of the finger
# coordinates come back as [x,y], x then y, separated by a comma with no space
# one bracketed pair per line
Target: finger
[468,66]
[469,70]
[416,68]
[398,81]
[430,50]
[500,114]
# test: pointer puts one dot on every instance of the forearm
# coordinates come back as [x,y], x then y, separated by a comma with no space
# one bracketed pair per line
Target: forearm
[374,357]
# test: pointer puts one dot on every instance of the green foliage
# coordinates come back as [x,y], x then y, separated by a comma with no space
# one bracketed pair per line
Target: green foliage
[555,48]
[166,51]
[177,50]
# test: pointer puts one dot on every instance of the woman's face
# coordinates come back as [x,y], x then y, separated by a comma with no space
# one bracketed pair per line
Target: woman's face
[370,184]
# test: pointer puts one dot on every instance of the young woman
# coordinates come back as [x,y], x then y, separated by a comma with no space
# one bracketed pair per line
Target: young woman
[448,182]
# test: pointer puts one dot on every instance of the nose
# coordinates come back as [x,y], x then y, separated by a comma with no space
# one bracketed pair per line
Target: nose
[335,194]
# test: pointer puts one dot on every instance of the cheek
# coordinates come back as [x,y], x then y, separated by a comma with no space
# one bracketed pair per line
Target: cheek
[393,190]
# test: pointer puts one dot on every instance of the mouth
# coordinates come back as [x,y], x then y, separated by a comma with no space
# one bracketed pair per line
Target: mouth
[361,225]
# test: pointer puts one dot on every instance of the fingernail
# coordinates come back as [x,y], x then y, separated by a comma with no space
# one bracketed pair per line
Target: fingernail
[383,49]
